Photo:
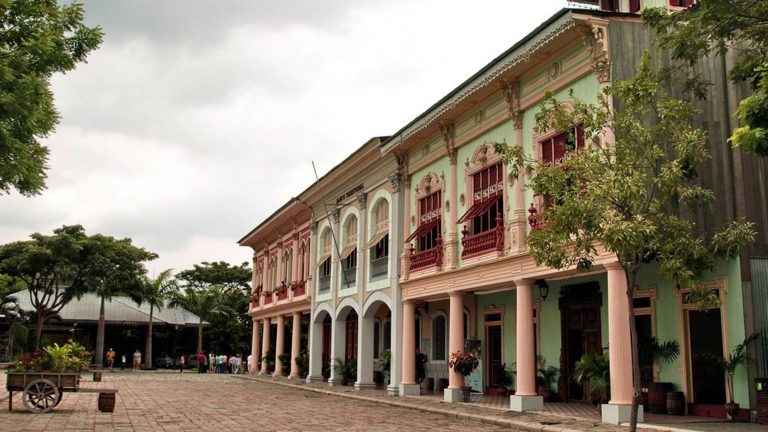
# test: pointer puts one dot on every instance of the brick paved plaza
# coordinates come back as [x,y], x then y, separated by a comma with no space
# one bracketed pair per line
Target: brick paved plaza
[167,401]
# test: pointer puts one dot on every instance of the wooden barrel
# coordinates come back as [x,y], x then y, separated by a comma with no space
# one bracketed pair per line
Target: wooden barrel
[106,402]
[657,397]
[429,385]
[442,384]
[675,403]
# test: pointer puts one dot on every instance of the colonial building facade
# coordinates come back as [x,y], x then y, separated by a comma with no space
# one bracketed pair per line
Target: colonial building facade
[418,241]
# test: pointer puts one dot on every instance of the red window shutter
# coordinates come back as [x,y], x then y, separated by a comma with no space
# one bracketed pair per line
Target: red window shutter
[546,152]
[634,6]
[580,141]
[561,146]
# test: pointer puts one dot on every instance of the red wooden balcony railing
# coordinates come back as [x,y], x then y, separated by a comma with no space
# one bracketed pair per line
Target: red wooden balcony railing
[429,257]
[299,288]
[491,240]
[535,219]
[268,297]
[255,297]
[282,293]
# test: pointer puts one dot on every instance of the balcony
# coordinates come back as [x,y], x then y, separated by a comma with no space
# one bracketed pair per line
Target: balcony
[428,258]
[324,283]
[268,297]
[299,288]
[491,240]
[379,268]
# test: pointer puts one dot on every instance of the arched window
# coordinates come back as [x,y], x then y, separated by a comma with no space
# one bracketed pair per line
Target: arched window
[348,256]
[272,275]
[286,271]
[379,244]
[439,337]
[301,268]
[324,267]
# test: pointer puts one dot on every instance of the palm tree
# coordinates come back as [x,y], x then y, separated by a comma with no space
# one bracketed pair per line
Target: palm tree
[154,292]
[205,303]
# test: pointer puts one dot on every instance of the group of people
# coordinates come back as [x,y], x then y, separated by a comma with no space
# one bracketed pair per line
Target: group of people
[233,364]
[110,355]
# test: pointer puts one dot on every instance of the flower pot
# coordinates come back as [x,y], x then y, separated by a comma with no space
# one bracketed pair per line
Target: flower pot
[675,403]
[466,392]
[442,383]
[732,409]
[429,385]
[657,397]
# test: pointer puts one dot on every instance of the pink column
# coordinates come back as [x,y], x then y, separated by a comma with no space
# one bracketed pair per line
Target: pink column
[620,351]
[279,344]
[295,343]
[409,342]
[525,357]
[254,348]
[456,334]
[264,344]
[519,193]
[406,263]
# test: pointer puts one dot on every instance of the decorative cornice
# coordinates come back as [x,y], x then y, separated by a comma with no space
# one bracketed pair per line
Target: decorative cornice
[494,73]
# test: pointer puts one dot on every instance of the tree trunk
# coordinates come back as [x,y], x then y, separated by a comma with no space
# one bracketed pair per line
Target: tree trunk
[148,345]
[631,279]
[39,329]
[9,349]
[200,336]
[99,357]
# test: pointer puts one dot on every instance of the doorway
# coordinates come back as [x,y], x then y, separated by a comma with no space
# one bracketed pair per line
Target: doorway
[706,336]
[580,324]
[493,351]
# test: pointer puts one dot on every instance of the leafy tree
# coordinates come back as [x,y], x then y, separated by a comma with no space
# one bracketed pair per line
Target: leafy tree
[206,303]
[57,268]
[626,197]
[230,329]
[116,267]
[37,39]
[218,273]
[154,292]
[719,26]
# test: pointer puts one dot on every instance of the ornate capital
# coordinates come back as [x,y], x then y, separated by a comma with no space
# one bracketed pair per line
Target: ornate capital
[362,200]
[313,227]
[335,213]
[512,95]
[396,181]
[597,42]
[407,181]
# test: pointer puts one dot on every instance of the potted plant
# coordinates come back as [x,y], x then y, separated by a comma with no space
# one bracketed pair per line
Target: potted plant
[547,377]
[728,365]
[285,360]
[269,358]
[506,380]
[302,362]
[385,364]
[347,369]
[464,364]
[652,350]
[594,371]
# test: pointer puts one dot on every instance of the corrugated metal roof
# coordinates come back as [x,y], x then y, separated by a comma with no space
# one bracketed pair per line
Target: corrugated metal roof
[121,310]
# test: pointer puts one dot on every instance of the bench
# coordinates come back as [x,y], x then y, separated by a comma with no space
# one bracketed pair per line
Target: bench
[106,397]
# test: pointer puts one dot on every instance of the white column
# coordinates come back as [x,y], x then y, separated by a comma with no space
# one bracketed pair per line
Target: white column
[279,344]
[264,344]
[365,353]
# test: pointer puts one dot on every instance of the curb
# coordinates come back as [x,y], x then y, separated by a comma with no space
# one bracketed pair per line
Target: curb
[497,421]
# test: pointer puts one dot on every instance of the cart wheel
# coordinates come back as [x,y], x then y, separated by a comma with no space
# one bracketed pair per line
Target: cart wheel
[41,395]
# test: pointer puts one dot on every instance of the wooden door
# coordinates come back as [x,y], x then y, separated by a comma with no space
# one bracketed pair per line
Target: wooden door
[580,325]
[493,352]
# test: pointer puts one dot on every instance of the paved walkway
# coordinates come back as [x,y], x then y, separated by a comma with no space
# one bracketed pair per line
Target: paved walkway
[169,401]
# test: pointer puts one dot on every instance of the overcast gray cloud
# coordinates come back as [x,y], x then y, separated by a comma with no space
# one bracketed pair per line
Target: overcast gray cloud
[196,119]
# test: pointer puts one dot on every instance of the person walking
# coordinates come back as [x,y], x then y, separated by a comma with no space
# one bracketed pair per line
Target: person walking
[249,364]
[211,362]
[122,362]
[201,363]
[110,358]
[136,360]
[181,364]
[232,364]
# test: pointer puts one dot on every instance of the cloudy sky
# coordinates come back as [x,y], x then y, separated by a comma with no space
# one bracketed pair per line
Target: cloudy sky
[197,119]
